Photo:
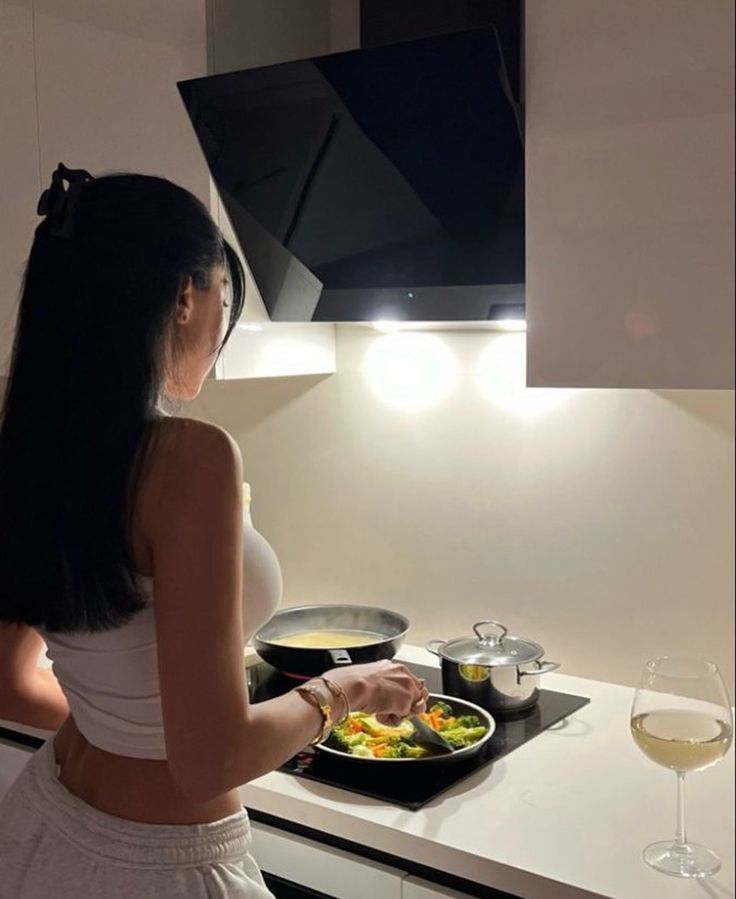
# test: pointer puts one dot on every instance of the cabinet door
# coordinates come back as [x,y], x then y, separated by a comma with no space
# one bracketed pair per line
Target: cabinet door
[12,760]
[322,868]
[19,184]
[629,192]
[414,888]
[107,95]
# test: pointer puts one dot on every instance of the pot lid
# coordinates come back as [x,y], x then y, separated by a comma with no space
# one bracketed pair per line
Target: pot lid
[492,649]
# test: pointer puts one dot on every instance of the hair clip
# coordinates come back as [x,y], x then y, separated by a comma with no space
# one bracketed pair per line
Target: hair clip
[57,202]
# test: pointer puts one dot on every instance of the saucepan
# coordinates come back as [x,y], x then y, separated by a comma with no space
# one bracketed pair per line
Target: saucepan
[495,671]
[308,640]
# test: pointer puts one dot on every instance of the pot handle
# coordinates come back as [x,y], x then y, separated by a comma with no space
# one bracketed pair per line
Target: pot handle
[340,656]
[434,645]
[490,639]
[542,668]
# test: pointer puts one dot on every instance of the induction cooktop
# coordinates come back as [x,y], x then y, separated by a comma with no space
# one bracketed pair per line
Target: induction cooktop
[413,786]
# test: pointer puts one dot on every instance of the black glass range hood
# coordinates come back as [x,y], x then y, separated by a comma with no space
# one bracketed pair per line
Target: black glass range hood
[381,183]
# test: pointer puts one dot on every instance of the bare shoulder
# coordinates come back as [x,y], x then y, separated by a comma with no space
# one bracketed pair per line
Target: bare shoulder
[188,441]
[192,435]
[190,462]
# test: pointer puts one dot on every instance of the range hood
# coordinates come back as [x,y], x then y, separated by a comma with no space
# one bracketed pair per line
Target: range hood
[380,183]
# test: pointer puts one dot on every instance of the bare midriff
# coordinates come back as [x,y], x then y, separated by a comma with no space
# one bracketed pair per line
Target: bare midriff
[135,789]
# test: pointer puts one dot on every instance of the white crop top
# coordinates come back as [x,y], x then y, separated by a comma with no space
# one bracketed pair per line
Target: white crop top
[110,678]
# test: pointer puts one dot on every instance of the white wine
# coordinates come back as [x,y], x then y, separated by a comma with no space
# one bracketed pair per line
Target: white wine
[681,739]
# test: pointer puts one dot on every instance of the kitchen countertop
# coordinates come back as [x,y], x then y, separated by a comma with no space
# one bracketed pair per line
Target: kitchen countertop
[565,816]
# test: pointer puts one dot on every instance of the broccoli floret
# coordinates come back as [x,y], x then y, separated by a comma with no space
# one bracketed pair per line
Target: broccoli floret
[392,751]
[442,707]
[459,737]
[346,740]
[399,750]
[467,721]
[362,751]
[409,751]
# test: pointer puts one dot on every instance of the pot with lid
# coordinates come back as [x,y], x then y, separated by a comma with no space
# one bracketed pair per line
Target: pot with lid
[495,671]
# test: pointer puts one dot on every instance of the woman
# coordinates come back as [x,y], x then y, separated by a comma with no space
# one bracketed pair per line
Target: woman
[122,545]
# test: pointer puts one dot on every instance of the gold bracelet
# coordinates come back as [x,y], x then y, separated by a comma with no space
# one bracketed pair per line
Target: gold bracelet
[338,692]
[315,697]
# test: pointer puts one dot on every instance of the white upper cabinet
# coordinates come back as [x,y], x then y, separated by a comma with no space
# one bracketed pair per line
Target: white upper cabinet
[19,185]
[629,168]
[94,85]
[107,95]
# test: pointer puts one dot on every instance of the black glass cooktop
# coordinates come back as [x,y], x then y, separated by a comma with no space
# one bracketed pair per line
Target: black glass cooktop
[412,786]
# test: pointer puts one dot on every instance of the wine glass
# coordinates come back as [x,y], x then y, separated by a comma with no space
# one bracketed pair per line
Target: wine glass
[681,719]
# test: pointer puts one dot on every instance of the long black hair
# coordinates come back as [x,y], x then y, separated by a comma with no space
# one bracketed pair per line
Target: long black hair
[94,327]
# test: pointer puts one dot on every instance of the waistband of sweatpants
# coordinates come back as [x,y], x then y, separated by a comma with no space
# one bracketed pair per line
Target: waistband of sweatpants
[130,842]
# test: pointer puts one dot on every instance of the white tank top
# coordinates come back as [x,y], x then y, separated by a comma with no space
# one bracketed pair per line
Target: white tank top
[110,678]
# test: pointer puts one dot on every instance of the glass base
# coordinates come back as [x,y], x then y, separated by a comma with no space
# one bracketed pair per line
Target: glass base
[689,860]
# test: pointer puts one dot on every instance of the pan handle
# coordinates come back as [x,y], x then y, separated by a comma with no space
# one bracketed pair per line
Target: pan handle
[434,645]
[340,656]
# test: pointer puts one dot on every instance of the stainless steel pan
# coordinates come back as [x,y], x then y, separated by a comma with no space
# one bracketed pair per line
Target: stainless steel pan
[459,707]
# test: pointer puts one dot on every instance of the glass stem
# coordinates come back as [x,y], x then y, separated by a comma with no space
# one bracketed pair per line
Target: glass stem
[681,838]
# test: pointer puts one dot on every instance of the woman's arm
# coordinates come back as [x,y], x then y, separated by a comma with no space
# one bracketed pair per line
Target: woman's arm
[216,740]
[29,694]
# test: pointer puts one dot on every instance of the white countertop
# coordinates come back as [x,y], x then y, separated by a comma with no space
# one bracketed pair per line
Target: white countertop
[565,816]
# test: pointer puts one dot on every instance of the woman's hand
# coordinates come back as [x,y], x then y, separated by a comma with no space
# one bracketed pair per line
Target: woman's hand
[385,689]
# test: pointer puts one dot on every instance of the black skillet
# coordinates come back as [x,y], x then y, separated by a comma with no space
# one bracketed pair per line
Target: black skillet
[389,629]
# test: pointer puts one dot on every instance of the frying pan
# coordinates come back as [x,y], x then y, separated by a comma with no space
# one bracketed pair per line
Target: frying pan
[389,628]
[458,706]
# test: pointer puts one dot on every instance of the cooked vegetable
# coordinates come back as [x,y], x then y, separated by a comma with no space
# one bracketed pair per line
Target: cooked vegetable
[458,737]
[362,735]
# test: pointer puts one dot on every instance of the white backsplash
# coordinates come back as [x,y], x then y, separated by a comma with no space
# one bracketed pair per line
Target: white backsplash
[597,522]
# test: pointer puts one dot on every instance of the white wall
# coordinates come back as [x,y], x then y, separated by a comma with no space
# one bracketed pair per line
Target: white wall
[601,525]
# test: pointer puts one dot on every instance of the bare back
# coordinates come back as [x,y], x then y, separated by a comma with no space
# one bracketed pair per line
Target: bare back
[142,789]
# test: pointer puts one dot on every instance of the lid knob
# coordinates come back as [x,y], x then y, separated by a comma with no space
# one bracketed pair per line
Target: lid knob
[490,639]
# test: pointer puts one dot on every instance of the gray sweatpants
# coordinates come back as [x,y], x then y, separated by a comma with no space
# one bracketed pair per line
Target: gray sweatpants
[52,844]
